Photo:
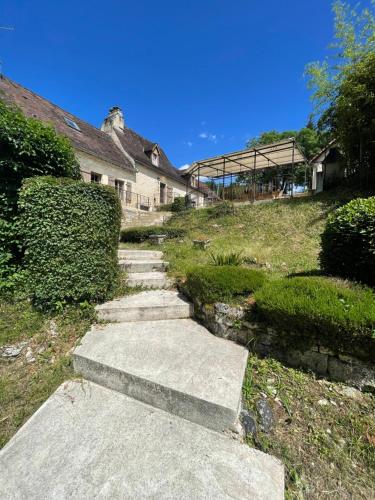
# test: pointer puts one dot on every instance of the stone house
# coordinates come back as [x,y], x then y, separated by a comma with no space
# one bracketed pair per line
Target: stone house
[115,155]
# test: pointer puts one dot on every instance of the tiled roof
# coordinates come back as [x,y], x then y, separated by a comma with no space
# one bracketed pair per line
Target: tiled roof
[139,148]
[89,139]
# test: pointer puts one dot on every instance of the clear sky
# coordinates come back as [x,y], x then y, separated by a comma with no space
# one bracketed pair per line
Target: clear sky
[198,77]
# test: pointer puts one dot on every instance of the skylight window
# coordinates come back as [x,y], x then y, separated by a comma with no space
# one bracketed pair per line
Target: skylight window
[72,124]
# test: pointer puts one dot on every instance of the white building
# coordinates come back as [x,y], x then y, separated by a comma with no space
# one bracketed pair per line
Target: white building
[116,155]
[327,169]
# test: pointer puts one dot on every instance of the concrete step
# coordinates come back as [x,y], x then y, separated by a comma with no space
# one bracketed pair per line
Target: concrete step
[146,306]
[89,442]
[143,266]
[176,365]
[140,254]
[154,279]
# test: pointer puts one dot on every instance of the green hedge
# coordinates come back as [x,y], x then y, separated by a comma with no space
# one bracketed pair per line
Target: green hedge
[70,230]
[348,242]
[140,234]
[210,284]
[317,310]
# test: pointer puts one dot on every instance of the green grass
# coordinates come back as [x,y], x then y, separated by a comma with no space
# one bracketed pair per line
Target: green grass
[18,321]
[328,450]
[24,387]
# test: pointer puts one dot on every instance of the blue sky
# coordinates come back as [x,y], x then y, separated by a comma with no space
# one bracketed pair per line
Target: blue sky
[198,77]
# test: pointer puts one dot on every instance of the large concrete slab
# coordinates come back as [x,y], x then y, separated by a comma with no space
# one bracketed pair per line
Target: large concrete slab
[176,365]
[143,266]
[88,442]
[154,279]
[140,254]
[146,306]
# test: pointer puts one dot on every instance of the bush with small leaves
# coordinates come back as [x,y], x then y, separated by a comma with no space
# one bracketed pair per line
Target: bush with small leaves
[348,242]
[71,232]
[210,284]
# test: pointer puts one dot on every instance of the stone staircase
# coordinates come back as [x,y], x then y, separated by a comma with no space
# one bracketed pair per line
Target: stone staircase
[145,268]
[155,415]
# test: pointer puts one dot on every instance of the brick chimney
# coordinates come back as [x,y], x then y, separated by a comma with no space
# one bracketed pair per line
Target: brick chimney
[114,120]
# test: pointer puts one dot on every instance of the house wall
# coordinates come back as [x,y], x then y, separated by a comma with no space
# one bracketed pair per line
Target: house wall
[325,173]
[145,182]
[109,172]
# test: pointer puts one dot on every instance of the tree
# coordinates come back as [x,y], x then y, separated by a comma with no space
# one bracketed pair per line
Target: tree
[343,88]
[354,39]
[351,119]
[28,148]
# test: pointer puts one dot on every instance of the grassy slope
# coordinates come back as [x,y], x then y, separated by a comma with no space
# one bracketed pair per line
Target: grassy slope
[284,234]
[25,386]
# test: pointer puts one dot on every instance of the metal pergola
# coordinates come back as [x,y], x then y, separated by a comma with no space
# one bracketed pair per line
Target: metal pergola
[277,155]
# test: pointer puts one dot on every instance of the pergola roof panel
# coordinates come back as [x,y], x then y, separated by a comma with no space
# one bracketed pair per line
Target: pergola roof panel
[277,154]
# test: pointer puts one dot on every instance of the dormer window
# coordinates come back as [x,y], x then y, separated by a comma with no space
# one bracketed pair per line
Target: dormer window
[155,158]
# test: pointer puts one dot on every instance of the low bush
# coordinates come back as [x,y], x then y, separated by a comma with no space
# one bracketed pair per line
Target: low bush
[178,205]
[230,259]
[210,284]
[140,234]
[320,311]
[348,242]
[71,231]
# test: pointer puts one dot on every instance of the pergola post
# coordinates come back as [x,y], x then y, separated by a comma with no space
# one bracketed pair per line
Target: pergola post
[292,193]
[224,181]
[254,170]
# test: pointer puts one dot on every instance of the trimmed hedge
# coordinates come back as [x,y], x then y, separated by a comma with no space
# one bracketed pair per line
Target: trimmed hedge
[70,230]
[210,284]
[142,233]
[348,242]
[319,311]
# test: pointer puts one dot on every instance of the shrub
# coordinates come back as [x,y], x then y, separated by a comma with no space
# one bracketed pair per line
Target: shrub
[71,232]
[209,284]
[140,234]
[317,310]
[348,242]
[230,259]
[27,148]
[178,205]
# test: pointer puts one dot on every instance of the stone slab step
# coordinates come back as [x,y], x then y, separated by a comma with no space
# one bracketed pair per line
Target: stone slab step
[89,442]
[146,306]
[140,254]
[176,365]
[143,266]
[154,279]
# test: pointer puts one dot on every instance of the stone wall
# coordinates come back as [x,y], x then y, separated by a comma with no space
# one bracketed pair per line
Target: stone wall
[229,322]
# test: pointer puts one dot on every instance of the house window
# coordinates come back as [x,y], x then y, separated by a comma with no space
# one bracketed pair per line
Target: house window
[119,185]
[155,158]
[97,178]
[72,124]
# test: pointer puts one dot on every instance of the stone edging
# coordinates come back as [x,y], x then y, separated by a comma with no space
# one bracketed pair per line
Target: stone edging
[228,322]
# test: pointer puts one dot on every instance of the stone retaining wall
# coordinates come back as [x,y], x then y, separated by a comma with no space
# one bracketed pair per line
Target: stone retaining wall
[229,322]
